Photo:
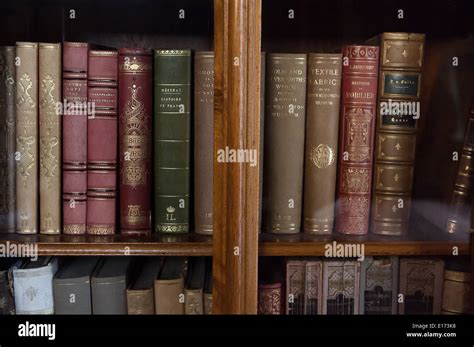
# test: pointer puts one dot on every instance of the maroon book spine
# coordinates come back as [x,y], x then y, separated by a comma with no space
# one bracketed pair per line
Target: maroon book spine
[135,112]
[74,137]
[356,138]
[102,142]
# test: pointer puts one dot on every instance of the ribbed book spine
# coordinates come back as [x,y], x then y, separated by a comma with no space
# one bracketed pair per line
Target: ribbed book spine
[7,146]
[135,127]
[172,140]
[27,137]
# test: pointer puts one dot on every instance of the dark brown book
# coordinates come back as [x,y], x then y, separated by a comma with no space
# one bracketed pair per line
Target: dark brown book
[341,287]
[295,286]
[269,298]
[322,128]
[284,142]
[169,286]
[7,303]
[456,288]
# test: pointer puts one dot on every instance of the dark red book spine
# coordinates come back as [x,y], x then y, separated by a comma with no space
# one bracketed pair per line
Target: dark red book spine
[74,137]
[356,138]
[102,142]
[135,111]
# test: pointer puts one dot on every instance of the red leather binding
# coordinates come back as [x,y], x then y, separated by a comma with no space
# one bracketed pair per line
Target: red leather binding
[356,139]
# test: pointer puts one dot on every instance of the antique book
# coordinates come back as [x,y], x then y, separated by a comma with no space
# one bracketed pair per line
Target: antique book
[193,292]
[72,286]
[172,125]
[284,143]
[135,129]
[269,298]
[356,140]
[295,286]
[203,141]
[169,286]
[33,285]
[401,61]
[457,285]
[322,128]
[379,285]
[207,291]
[109,285]
[459,209]
[341,287]
[27,138]
[140,295]
[7,303]
[49,55]
[313,302]
[7,133]
[260,155]
[102,142]
[75,107]
[421,284]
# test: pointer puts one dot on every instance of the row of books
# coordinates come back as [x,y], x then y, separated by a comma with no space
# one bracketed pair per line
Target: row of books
[86,126]
[107,285]
[377,285]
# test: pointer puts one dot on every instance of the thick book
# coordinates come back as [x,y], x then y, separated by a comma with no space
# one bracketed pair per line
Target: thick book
[193,292]
[269,298]
[172,134]
[356,139]
[27,138]
[102,94]
[313,301]
[7,302]
[457,286]
[7,132]
[49,55]
[33,285]
[72,286]
[169,286]
[203,141]
[322,129]
[74,130]
[379,285]
[295,287]
[135,129]
[421,285]
[284,143]
[207,290]
[401,62]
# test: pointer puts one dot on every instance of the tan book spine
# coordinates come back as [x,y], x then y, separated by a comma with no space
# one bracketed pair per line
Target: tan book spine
[50,137]
[456,292]
[140,301]
[193,301]
[168,296]
[207,297]
[27,137]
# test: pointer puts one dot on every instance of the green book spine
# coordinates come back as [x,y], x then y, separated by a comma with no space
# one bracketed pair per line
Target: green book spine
[172,126]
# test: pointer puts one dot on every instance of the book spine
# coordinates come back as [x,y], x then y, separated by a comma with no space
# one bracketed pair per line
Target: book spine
[135,126]
[50,137]
[7,303]
[140,302]
[313,303]
[79,289]
[27,137]
[167,293]
[102,142]
[109,297]
[203,141]
[172,140]
[7,146]
[322,127]
[341,287]
[284,143]
[356,141]
[401,62]
[75,56]
[295,287]
[193,301]
[269,299]
[456,292]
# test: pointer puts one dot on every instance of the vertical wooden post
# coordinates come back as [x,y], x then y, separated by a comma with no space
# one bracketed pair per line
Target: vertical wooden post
[236,127]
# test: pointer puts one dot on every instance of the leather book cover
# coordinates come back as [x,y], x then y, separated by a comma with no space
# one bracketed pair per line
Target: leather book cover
[322,129]
[284,143]
[421,284]
[172,132]
[203,141]
[75,106]
[313,302]
[7,132]
[27,138]
[207,290]
[102,142]
[269,298]
[135,134]
[356,140]
[72,286]
[401,61]
[379,285]
[7,303]
[456,292]
[193,293]
[295,286]
[50,138]
[169,287]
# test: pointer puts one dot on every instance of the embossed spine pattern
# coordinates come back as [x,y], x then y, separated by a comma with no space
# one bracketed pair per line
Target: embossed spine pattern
[401,62]
[7,134]
[269,299]
[322,128]
[135,110]
[75,56]
[356,140]
[284,143]
[341,287]
[50,137]
[203,140]
[102,142]
[27,137]
[172,140]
